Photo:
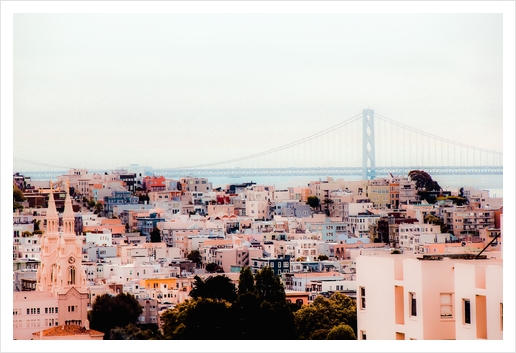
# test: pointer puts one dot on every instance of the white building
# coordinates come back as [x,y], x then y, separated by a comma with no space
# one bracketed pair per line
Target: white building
[424,298]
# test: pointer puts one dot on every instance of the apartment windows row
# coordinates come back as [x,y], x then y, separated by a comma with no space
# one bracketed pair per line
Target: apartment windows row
[446,304]
[33,311]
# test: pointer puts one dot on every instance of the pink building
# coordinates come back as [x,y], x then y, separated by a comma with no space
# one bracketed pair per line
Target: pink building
[428,297]
[61,296]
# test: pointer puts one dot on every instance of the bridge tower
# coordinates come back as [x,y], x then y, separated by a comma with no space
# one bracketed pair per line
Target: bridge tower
[368,155]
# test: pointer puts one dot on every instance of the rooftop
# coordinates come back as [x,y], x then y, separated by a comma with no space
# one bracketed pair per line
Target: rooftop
[70,330]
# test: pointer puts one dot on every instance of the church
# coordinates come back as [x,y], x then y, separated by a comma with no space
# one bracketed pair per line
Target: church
[58,308]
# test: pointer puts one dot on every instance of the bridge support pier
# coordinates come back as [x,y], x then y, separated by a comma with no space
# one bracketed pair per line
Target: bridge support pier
[368,149]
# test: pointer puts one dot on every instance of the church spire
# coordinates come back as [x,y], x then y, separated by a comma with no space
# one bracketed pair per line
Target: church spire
[68,215]
[52,216]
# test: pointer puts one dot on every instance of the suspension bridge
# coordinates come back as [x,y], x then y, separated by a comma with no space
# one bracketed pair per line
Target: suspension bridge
[366,145]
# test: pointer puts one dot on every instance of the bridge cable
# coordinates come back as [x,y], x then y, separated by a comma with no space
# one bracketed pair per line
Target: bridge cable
[459,144]
[276,149]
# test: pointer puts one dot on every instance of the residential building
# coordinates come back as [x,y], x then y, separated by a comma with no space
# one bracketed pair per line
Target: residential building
[428,297]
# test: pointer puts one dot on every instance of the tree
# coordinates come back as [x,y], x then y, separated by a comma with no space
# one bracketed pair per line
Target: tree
[424,181]
[99,207]
[92,203]
[322,257]
[134,332]
[327,202]
[269,287]
[155,235]
[212,267]
[109,312]
[457,200]
[195,256]
[325,314]
[199,319]
[18,195]
[341,332]
[431,219]
[37,224]
[216,287]
[313,201]
[246,281]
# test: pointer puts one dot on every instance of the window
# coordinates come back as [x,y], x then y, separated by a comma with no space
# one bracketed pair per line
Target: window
[362,298]
[363,334]
[413,304]
[501,316]
[466,303]
[446,306]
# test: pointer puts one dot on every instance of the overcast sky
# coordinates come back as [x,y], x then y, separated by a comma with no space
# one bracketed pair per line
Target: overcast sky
[168,90]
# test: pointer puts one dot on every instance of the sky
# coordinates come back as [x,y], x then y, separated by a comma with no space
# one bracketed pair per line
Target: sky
[165,84]
[172,90]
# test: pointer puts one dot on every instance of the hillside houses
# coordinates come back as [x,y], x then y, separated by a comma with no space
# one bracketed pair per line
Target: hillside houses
[315,251]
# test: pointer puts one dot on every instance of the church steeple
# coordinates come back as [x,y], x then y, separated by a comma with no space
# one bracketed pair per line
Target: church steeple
[52,216]
[68,216]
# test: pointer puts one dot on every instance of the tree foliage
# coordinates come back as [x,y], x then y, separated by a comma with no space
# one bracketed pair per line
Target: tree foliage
[214,287]
[431,219]
[269,287]
[325,314]
[199,319]
[341,332]
[155,235]
[244,318]
[212,267]
[322,257]
[195,256]
[457,200]
[134,332]
[245,281]
[109,312]
[18,195]
[423,181]
[313,201]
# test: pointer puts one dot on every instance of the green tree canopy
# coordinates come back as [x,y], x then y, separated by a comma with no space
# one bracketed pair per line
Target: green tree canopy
[313,201]
[325,314]
[109,312]
[322,257]
[269,287]
[423,181]
[155,235]
[195,256]
[431,219]
[18,195]
[199,319]
[341,332]
[215,287]
[134,332]
[457,200]
[246,281]
[212,267]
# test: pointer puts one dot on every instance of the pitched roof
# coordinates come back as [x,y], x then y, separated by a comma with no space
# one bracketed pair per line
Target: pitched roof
[70,330]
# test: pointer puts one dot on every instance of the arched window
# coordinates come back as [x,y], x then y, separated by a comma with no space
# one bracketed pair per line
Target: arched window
[299,302]
[71,275]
